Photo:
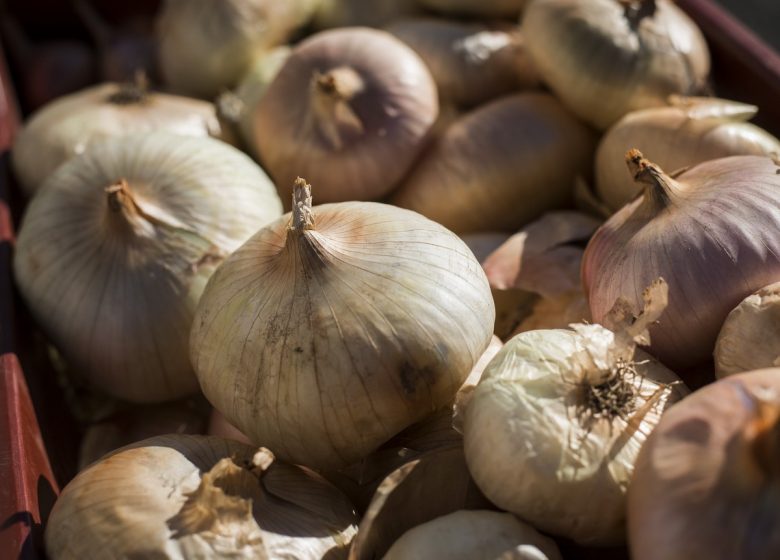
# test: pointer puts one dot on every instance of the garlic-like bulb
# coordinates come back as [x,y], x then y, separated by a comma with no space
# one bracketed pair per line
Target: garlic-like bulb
[197,497]
[481,8]
[332,330]
[350,110]
[68,126]
[750,337]
[115,250]
[711,233]
[606,58]
[707,479]
[470,62]
[474,535]
[500,166]
[350,13]
[559,417]
[690,131]
[205,46]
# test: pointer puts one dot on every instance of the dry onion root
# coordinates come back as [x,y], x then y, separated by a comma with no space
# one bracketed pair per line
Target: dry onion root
[114,252]
[706,481]
[605,58]
[333,329]
[184,497]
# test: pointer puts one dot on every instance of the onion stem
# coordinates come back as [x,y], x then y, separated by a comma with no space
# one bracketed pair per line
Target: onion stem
[133,92]
[660,189]
[335,118]
[303,217]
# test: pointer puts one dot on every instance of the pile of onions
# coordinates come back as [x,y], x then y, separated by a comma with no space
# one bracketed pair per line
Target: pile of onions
[707,479]
[115,250]
[198,497]
[205,46]
[605,58]
[500,166]
[689,131]
[713,233]
[481,8]
[68,126]
[350,110]
[750,337]
[470,62]
[330,330]
[559,417]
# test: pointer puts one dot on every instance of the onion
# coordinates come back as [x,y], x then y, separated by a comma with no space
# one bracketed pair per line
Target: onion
[470,62]
[706,481]
[350,110]
[219,426]
[115,250]
[68,126]
[691,131]
[558,418]
[183,497]
[750,337]
[474,535]
[347,13]
[205,46]
[483,8]
[500,166]
[329,332]
[606,58]
[711,232]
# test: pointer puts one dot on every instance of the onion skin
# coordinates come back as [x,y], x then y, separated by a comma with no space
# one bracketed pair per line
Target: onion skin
[706,481]
[589,54]
[711,233]
[691,131]
[500,166]
[350,110]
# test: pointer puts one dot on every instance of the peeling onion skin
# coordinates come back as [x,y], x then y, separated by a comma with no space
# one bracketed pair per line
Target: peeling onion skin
[500,166]
[750,337]
[67,126]
[478,8]
[350,110]
[132,503]
[115,251]
[325,342]
[589,55]
[706,482]
[722,215]
[685,134]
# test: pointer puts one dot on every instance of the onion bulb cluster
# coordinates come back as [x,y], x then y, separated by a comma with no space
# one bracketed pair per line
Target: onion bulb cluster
[710,232]
[333,329]
[184,497]
[114,252]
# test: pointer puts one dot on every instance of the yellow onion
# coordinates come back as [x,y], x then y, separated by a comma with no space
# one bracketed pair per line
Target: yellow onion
[500,166]
[206,46]
[606,58]
[114,252]
[711,233]
[350,110]
[558,420]
[474,535]
[750,336]
[706,482]
[332,330]
[690,131]
[470,62]
[483,8]
[348,13]
[68,126]
[188,497]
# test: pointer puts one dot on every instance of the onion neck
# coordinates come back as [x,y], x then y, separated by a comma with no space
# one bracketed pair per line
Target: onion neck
[132,93]
[636,10]
[302,214]
[660,190]
[333,115]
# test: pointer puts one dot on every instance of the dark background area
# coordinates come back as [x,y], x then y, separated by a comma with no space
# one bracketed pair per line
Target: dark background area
[763,16]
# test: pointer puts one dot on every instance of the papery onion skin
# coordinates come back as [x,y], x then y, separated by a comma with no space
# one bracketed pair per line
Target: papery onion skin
[69,125]
[483,8]
[474,535]
[706,485]
[750,336]
[714,239]
[676,137]
[326,341]
[350,110]
[500,166]
[471,62]
[113,278]
[532,451]
[131,505]
[601,68]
